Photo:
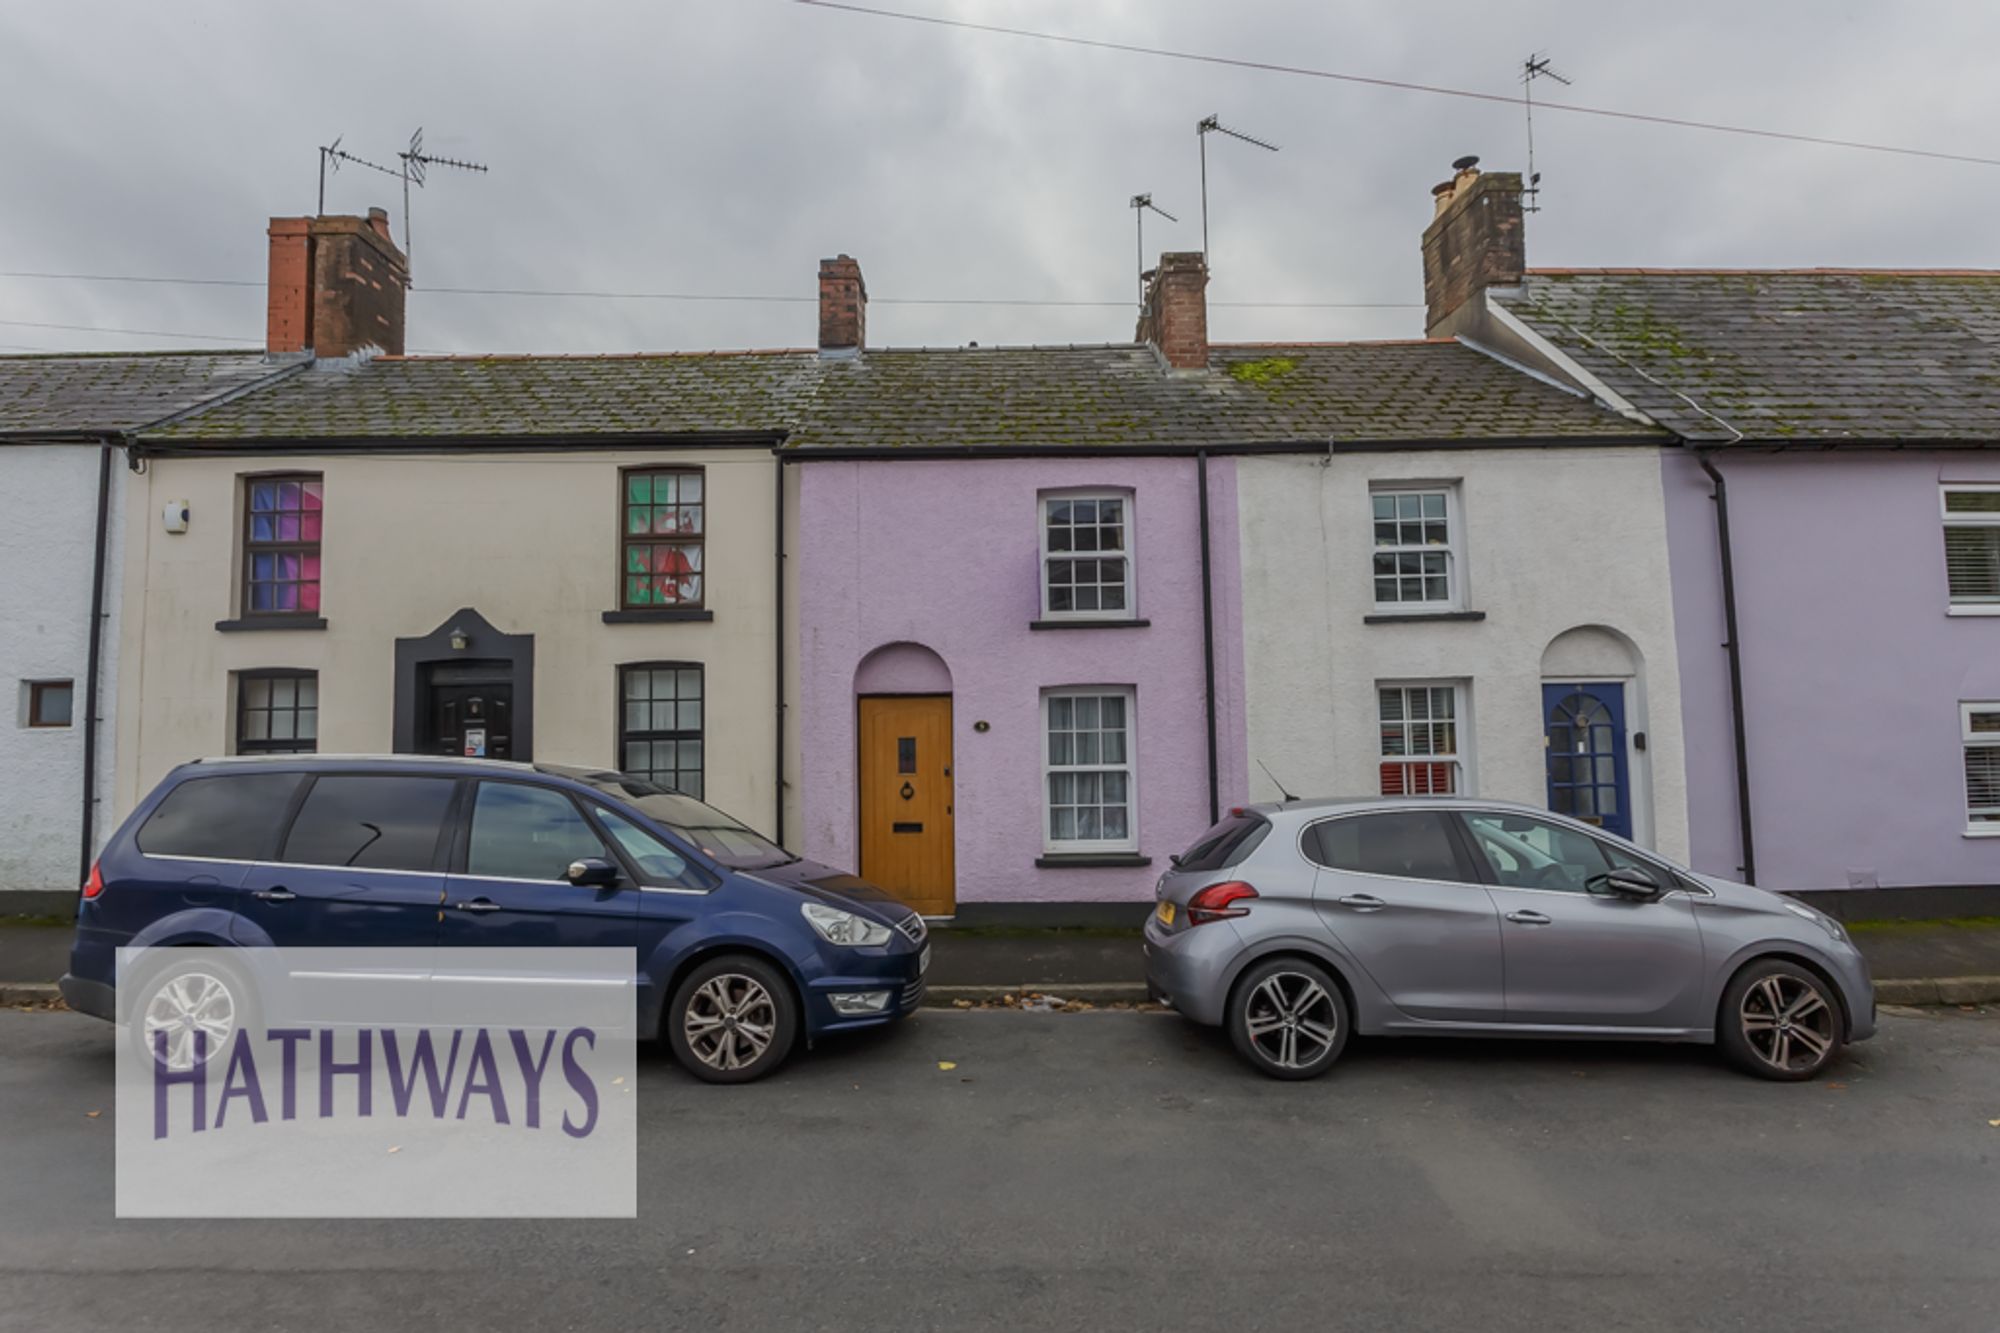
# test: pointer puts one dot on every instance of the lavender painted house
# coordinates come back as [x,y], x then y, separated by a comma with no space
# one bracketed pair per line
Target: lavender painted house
[1833,520]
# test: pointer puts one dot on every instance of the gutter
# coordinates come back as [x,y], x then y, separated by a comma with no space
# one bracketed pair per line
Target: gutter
[1735,650]
[1321,447]
[1208,638]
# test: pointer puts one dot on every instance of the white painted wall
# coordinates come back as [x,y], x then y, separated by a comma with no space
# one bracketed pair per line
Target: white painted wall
[529,540]
[1552,539]
[47,531]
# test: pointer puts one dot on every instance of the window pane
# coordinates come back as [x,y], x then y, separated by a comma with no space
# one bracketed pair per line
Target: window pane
[380,823]
[521,832]
[658,863]
[1410,844]
[234,818]
[1529,853]
[50,704]
[1972,502]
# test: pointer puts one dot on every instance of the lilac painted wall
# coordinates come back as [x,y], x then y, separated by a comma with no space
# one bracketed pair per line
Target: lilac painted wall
[1853,671]
[945,554]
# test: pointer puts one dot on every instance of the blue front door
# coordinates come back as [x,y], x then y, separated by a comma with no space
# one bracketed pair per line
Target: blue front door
[1583,730]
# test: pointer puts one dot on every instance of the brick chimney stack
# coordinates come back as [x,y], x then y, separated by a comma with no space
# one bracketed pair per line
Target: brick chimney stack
[843,307]
[336,286]
[1175,317]
[1475,241]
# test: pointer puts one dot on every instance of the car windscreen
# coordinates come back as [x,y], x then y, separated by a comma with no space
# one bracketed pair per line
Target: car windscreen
[719,836]
[1226,844]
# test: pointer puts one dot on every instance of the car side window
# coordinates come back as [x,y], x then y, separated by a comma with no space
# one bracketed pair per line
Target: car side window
[1529,853]
[658,863]
[230,817]
[370,822]
[524,832]
[1408,844]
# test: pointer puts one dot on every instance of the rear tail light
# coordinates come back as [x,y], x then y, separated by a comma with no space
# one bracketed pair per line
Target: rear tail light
[1218,901]
[95,884]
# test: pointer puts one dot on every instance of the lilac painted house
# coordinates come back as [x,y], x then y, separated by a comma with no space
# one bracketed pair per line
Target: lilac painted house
[1834,540]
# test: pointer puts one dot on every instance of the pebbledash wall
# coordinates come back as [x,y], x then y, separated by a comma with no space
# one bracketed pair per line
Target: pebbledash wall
[1853,668]
[946,555]
[46,552]
[528,540]
[1562,550]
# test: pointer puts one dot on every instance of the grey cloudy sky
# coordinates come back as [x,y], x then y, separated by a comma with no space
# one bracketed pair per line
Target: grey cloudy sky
[724,146]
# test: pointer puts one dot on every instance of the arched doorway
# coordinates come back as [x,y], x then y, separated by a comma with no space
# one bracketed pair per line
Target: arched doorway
[903,772]
[1591,720]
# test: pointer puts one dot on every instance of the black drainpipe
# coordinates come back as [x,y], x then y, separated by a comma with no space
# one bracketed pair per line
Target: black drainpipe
[1208,639]
[1734,647]
[778,818]
[90,669]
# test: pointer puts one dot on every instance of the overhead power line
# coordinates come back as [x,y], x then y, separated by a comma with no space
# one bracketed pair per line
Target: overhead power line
[136,333]
[741,296]
[1302,71]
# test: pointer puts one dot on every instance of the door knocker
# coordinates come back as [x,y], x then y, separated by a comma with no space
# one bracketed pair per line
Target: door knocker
[909,792]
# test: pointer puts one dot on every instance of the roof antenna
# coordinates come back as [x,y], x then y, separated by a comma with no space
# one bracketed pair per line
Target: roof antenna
[1202,130]
[330,158]
[1140,203]
[415,162]
[1282,793]
[1535,67]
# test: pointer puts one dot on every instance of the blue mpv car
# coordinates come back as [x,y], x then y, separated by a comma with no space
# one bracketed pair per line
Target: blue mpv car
[742,948]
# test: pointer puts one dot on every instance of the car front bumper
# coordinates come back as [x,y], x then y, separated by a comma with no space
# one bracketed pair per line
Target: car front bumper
[899,977]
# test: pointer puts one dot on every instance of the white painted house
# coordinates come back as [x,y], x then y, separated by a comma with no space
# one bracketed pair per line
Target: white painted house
[63,424]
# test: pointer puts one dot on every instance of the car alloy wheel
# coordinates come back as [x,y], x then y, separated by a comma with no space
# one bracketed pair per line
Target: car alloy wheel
[1788,1023]
[1288,1018]
[730,1022]
[187,1005]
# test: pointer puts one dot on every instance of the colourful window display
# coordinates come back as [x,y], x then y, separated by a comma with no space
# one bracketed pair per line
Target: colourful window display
[281,536]
[661,561]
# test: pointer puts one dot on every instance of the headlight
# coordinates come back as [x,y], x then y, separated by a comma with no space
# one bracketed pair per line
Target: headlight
[1820,919]
[838,927]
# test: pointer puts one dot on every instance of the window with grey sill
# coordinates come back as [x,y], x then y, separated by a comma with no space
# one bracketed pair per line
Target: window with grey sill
[1414,562]
[1086,541]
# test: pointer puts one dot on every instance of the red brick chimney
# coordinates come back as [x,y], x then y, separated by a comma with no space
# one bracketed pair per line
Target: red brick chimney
[336,285]
[843,306]
[1175,317]
[1475,241]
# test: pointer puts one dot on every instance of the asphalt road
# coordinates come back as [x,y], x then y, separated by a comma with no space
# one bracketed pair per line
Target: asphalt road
[1113,1171]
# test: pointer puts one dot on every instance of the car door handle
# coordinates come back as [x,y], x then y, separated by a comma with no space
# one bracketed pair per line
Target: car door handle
[1363,902]
[1528,918]
[478,905]
[278,894]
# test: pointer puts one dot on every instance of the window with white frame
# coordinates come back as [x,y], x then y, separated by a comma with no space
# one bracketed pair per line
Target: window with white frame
[1088,771]
[1972,547]
[1416,560]
[1422,752]
[1087,556]
[1981,734]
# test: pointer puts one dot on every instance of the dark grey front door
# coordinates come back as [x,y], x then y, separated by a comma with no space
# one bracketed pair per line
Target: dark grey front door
[470,712]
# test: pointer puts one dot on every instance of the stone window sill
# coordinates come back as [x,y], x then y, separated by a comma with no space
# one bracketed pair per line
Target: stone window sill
[1400,617]
[271,623]
[1088,624]
[1091,860]
[658,615]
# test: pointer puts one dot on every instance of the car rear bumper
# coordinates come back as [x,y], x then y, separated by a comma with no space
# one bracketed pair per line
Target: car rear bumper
[89,997]
[1188,969]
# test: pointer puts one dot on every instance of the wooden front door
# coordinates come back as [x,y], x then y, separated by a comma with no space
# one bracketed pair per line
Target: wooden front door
[906,839]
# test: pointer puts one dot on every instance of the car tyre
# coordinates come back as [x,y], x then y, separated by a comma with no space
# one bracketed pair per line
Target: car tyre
[1288,1018]
[209,995]
[733,1019]
[1780,1020]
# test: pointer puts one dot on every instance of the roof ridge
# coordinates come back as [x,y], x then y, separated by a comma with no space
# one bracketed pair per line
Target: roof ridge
[1346,342]
[596,356]
[148,354]
[1772,272]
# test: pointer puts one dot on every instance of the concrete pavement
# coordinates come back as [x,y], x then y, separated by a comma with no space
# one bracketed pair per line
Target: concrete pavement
[1110,1171]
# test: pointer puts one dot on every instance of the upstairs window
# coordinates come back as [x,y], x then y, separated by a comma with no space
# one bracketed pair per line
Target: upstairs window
[1980,730]
[1972,548]
[1416,563]
[661,557]
[281,531]
[1420,740]
[1087,557]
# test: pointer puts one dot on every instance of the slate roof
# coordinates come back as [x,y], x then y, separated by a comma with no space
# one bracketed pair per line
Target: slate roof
[70,395]
[1784,356]
[531,396]
[1108,396]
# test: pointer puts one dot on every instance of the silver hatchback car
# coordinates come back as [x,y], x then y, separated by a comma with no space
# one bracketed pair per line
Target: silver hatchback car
[1297,923]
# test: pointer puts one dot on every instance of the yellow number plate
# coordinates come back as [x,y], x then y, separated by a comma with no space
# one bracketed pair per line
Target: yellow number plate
[1166,914]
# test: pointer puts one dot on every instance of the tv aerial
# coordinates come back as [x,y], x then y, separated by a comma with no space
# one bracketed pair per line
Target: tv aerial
[1140,203]
[1535,67]
[1203,128]
[415,166]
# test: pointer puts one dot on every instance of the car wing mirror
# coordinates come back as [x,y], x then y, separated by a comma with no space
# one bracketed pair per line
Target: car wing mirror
[1625,882]
[592,872]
